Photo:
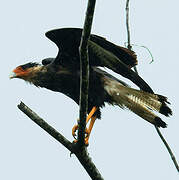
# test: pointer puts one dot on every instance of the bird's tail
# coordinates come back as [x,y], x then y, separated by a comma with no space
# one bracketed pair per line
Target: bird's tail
[139,102]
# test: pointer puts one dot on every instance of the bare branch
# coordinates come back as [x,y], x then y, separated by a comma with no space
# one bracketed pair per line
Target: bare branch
[168,148]
[128,31]
[84,71]
[87,163]
[81,153]
[157,129]
[127,26]
[49,129]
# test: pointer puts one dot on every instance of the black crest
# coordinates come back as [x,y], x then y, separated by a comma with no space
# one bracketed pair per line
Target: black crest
[29,65]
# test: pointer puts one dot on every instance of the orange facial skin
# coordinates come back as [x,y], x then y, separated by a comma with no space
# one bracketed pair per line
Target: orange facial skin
[20,72]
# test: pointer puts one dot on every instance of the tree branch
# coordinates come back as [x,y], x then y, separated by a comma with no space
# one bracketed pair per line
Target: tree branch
[84,71]
[128,31]
[81,153]
[168,148]
[89,166]
[127,26]
[157,129]
[49,129]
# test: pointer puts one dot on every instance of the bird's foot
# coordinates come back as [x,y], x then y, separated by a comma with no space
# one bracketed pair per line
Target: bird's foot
[87,133]
[88,130]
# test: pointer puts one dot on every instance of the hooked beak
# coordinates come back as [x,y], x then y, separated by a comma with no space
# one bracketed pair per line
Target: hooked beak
[12,75]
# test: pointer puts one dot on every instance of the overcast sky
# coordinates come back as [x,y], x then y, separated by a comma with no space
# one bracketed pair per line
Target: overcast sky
[122,145]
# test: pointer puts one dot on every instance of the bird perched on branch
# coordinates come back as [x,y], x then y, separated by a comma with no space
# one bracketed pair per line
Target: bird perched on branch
[62,74]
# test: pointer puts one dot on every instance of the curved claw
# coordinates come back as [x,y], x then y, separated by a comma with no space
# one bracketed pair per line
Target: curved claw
[74,129]
[88,130]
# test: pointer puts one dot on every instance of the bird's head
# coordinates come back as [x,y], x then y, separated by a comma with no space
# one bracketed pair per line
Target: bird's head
[25,71]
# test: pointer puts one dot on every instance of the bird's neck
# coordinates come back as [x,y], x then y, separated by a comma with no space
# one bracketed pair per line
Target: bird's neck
[35,74]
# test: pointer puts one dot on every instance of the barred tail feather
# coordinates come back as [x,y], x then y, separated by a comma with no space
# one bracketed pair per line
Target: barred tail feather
[139,102]
[154,101]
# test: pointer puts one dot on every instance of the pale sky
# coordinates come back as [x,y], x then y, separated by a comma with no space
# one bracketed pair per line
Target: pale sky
[122,145]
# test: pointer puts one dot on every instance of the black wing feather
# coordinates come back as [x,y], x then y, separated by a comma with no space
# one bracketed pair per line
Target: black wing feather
[68,40]
[101,53]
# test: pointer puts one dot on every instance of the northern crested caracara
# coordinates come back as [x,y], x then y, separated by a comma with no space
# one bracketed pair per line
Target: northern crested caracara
[62,74]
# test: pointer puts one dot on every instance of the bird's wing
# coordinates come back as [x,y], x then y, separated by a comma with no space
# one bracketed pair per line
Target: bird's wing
[126,56]
[101,53]
[68,40]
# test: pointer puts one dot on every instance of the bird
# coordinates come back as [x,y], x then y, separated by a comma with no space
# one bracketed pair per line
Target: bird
[62,74]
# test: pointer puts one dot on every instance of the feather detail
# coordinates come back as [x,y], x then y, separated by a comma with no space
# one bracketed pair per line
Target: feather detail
[139,102]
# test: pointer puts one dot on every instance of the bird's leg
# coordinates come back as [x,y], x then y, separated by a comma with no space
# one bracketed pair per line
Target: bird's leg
[87,120]
[89,129]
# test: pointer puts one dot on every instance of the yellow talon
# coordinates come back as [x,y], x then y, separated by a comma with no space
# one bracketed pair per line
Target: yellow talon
[89,129]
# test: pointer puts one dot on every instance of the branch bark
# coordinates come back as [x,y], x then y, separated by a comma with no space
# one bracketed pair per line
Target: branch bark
[81,153]
[127,26]
[84,71]
[128,31]
[49,129]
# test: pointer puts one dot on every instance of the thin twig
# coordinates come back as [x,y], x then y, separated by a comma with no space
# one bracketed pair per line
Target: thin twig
[145,47]
[128,31]
[84,71]
[152,58]
[81,153]
[157,129]
[127,26]
[168,148]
